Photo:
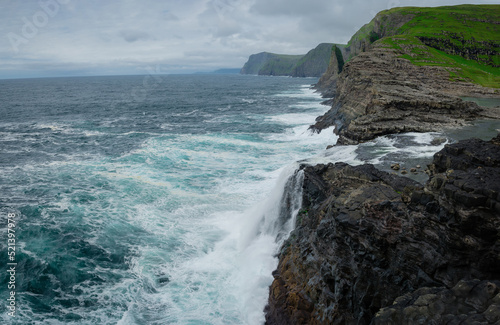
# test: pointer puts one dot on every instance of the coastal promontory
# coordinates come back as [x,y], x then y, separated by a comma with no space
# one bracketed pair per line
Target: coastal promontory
[409,70]
[372,247]
[375,248]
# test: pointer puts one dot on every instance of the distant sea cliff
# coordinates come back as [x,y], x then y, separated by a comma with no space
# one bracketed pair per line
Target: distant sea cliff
[312,64]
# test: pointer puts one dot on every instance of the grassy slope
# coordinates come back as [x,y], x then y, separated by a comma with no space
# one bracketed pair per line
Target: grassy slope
[460,69]
[363,32]
[464,39]
[471,20]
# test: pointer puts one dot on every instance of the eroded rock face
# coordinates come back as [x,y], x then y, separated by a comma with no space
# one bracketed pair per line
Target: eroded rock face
[383,25]
[379,93]
[371,247]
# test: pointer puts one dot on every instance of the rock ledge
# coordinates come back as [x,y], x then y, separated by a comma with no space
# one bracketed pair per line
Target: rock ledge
[374,248]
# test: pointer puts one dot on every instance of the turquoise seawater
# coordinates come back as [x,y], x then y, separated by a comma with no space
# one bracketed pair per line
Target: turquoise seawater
[158,199]
[146,204]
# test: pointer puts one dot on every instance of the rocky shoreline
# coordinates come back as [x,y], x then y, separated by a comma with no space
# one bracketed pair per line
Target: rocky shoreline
[375,248]
[379,93]
[395,83]
[372,247]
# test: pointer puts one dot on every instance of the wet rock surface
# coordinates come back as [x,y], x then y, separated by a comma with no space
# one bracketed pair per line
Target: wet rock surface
[375,248]
[468,302]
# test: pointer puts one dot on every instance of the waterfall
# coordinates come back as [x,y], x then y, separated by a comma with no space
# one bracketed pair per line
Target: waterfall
[279,220]
[276,216]
[267,226]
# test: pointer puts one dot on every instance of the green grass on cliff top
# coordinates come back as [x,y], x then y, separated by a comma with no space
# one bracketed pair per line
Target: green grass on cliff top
[478,22]
[460,69]
[478,25]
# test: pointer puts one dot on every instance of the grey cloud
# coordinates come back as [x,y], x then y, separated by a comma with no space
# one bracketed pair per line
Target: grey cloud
[228,28]
[134,35]
[119,37]
[290,7]
[168,16]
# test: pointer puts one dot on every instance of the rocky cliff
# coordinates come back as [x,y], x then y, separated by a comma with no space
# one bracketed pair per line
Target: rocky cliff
[375,248]
[315,62]
[280,65]
[384,24]
[312,64]
[328,81]
[407,69]
[256,62]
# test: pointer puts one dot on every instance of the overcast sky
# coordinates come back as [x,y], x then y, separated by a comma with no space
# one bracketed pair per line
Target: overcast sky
[96,37]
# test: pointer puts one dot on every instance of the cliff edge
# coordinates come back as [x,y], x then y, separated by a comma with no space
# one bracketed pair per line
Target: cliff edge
[408,69]
[374,248]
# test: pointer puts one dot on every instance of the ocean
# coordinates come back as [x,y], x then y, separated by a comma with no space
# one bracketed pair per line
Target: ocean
[158,199]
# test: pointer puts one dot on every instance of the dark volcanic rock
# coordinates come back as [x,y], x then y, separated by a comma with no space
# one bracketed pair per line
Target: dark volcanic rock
[468,302]
[371,247]
[468,175]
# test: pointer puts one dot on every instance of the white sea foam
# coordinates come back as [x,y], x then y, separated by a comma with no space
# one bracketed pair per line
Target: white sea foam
[294,118]
[422,138]
[315,106]
[305,91]
[224,271]
[186,226]
[201,212]
[53,127]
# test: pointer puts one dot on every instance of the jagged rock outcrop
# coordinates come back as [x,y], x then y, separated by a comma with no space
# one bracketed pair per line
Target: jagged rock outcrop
[374,248]
[328,80]
[380,93]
